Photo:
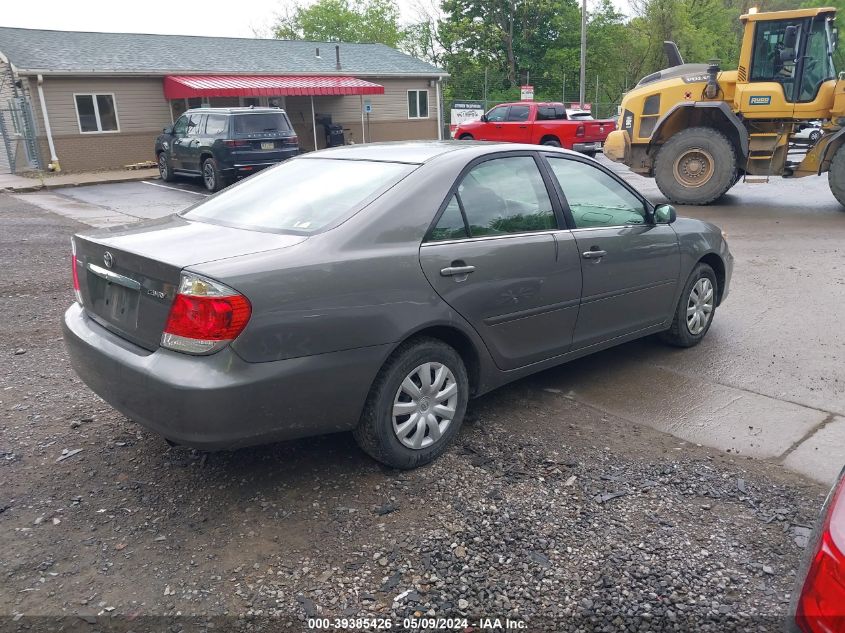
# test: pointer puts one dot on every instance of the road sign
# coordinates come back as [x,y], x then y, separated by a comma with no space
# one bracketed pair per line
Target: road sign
[526,93]
[368,106]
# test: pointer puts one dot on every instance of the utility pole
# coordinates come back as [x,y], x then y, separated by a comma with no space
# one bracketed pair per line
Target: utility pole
[583,51]
[485,89]
[564,89]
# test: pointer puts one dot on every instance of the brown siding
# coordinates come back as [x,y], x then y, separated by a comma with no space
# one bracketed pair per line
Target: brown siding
[140,103]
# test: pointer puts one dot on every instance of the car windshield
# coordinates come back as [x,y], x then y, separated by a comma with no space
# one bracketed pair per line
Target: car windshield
[261,123]
[302,195]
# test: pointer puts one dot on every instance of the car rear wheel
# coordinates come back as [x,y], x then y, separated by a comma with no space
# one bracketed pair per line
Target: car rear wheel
[552,142]
[211,176]
[695,310]
[815,135]
[164,167]
[416,405]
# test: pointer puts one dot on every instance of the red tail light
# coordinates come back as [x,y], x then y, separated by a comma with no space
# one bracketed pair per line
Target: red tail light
[75,272]
[205,316]
[234,143]
[821,606]
[290,140]
[579,131]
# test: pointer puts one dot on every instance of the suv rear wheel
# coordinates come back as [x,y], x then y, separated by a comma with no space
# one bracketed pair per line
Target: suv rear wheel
[211,176]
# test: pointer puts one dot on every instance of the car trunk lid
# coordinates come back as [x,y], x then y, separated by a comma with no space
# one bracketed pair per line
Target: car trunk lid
[129,277]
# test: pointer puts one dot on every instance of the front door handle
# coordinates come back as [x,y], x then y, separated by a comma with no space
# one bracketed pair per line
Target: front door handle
[451,271]
[593,254]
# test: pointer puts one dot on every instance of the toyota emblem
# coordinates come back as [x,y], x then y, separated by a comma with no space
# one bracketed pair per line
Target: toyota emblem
[108,259]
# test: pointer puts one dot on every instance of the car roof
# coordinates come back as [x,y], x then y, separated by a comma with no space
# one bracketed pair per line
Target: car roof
[240,110]
[418,152]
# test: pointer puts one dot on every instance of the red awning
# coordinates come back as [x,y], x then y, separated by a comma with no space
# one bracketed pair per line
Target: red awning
[186,86]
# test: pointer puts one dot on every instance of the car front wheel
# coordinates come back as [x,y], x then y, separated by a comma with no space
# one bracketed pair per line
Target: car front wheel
[416,405]
[695,310]
[164,167]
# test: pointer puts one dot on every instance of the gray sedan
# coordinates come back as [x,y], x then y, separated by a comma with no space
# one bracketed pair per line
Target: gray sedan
[377,288]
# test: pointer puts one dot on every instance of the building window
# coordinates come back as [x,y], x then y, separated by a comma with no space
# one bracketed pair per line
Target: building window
[96,113]
[418,104]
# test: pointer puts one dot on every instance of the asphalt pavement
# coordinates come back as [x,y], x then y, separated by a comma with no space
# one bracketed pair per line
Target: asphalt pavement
[767,382]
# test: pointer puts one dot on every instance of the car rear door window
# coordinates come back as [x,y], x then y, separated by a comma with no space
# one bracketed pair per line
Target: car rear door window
[506,195]
[594,197]
[451,225]
[518,113]
[215,125]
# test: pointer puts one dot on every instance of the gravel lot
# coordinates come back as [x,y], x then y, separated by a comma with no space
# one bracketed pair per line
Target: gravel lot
[545,511]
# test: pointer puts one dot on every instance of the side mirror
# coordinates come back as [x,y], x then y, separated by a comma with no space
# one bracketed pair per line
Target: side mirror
[790,36]
[168,129]
[483,118]
[664,214]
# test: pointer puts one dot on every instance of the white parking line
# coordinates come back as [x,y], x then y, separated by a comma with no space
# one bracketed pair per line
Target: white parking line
[155,184]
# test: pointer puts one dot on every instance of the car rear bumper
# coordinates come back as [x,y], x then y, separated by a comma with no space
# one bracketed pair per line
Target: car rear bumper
[220,401]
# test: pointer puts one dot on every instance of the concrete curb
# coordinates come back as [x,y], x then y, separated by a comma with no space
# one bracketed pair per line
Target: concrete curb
[47,185]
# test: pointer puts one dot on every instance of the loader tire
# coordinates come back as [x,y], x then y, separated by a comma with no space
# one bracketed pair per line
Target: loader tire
[695,166]
[836,176]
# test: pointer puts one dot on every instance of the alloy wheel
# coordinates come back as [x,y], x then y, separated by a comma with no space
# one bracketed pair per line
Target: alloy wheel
[208,176]
[163,167]
[700,306]
[425,405]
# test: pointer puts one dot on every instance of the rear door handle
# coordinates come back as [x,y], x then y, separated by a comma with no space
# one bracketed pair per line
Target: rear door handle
[451,271]
[593,254]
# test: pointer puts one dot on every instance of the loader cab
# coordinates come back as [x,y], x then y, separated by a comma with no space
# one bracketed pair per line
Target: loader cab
[789,60]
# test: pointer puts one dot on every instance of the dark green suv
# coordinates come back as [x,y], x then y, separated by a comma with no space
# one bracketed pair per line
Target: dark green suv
[223,144]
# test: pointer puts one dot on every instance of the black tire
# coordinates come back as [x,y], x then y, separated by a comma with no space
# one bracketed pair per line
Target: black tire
[815,135]
[375,432]
[552,142]
[165,172]
[691,147]
[836,176]
[679,333]
[211,176]
[466,137]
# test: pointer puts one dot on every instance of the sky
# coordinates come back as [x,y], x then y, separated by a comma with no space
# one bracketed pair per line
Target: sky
[222,18]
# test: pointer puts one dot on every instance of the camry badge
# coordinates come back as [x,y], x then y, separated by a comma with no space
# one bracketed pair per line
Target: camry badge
[108,259]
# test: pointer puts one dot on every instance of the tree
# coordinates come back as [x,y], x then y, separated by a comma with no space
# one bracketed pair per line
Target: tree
[341,21]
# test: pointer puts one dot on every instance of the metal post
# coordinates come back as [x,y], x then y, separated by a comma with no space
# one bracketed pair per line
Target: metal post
[363,137]
[563,95]
[583,51]
[439,112]
[485,89]
[314,122]
[596,109]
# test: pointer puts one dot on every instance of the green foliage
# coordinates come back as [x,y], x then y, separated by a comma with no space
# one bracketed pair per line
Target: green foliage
[342,21]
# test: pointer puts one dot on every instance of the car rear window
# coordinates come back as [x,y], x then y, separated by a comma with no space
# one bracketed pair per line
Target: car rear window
[260,123]
[302,195]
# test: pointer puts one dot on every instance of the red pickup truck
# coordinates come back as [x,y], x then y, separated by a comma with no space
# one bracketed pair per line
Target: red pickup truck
[537,123]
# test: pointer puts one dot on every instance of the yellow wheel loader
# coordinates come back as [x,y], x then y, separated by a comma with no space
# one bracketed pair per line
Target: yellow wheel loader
[698,129]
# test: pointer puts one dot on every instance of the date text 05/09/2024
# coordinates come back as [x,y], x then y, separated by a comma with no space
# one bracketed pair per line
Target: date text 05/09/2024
[416,624]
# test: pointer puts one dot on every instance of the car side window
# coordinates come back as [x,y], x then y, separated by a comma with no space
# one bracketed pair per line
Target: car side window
[451,224]
[506,195]
[594,197]
[181,126]
[497,114]
[215,125]
[194,124]
[518,113]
